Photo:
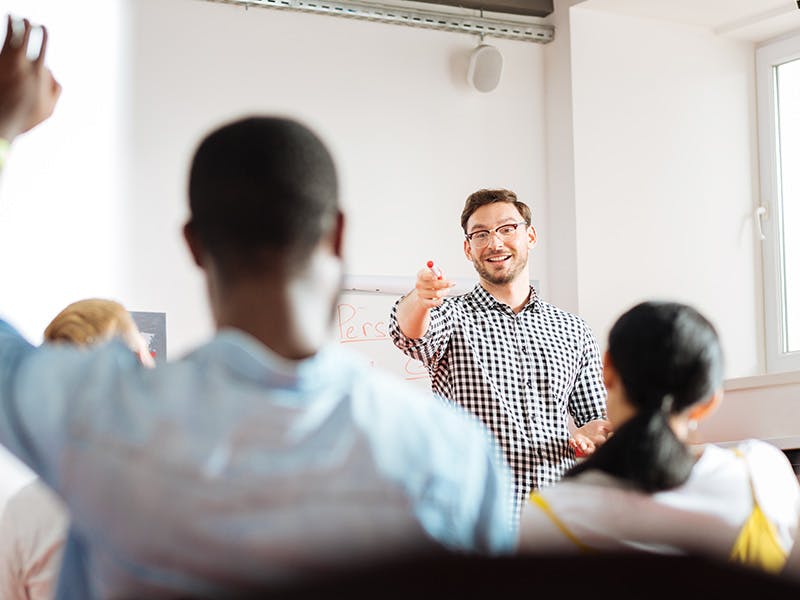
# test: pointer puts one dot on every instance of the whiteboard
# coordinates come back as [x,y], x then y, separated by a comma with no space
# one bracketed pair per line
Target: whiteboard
[361,323]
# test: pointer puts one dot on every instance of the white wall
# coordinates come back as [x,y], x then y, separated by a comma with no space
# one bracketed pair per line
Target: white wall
[751,409]
[93,201]
[60,201]
[561,285]
[665,174]
[411,139]
[658,118]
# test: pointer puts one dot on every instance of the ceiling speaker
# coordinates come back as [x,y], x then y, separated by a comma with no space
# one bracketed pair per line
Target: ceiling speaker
[485,67]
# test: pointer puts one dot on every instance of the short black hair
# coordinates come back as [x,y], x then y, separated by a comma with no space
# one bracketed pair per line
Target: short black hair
[262,184]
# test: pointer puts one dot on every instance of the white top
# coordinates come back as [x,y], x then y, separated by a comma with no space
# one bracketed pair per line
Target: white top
[704,515]
[14,475]
[32,532]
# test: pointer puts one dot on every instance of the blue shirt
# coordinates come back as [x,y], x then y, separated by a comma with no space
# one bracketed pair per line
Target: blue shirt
[234,465]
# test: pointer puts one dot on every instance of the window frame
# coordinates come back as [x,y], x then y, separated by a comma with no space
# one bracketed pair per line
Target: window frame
[769,56]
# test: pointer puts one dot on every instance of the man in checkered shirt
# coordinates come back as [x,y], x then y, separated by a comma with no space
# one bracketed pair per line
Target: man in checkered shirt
[519,364]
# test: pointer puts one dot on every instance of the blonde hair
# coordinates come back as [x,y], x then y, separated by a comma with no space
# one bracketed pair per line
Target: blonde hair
[93,321]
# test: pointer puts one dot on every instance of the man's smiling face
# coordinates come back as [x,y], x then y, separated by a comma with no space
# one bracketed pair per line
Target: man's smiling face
[504,257]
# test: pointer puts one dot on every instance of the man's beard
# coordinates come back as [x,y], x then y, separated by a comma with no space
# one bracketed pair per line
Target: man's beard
[502,277]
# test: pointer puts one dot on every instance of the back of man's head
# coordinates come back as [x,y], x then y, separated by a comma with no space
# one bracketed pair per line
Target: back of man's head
[262,192]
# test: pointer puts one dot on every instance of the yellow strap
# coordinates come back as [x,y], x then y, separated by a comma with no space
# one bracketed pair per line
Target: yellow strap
[757,544]
[537,499]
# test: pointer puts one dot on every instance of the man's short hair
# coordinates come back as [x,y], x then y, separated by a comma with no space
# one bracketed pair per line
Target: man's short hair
[261,185]
[484,197]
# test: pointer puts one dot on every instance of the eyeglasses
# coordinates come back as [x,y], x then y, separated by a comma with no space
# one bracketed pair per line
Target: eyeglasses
[481,237]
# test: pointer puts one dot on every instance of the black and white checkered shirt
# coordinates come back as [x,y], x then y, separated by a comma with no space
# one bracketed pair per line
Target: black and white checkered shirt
[519,373]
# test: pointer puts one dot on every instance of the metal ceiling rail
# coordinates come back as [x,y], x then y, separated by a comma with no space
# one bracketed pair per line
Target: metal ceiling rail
[428,19]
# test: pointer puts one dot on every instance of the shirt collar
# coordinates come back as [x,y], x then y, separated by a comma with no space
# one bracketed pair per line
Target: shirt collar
[244,354]
[486,300]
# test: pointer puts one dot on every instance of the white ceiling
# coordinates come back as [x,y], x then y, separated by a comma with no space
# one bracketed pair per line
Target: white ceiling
[754,20]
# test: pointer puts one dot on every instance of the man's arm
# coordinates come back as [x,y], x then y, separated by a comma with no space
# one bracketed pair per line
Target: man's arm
[28,90]
[587,403]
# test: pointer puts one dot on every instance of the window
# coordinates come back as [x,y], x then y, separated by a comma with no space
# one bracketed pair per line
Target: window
[778,74]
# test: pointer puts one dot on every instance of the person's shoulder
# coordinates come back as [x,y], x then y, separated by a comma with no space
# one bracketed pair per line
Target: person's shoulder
[12,341]
[766,459]
[557,312]
[459,302]
[564,319]
[36,502]
[391,397]
[774,480]
[761,451]
[241,351]
[470,300]
[587,485]
[36,492]
[767,465]
[592,495]
[382,387]
[7,328]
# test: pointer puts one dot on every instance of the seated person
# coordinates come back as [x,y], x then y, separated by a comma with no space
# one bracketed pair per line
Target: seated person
[647,488]
[33,525]
[268,455]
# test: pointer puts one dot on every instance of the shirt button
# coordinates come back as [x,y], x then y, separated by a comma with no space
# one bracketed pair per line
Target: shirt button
[524,349]
[529,384]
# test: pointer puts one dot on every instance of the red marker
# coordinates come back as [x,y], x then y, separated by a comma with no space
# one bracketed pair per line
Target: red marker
[436,270]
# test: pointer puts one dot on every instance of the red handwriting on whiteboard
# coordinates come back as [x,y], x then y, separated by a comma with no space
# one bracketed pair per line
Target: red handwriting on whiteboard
[355,325]
[414,369]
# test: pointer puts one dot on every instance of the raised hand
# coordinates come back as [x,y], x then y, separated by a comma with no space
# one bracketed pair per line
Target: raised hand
[28,90]
[431,287]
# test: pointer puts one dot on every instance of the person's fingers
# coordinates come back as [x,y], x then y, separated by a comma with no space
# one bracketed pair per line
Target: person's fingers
[26,35]
[8,44]
[428,276]
[39,62]
[431,280]
[430,289]
[442,287]
[602,429]
[579,441]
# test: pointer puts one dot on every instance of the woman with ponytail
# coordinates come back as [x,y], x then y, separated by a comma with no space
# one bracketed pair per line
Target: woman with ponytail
[647,488]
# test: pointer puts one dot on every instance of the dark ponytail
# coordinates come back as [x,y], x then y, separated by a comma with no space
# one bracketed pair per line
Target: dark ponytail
[668,357]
